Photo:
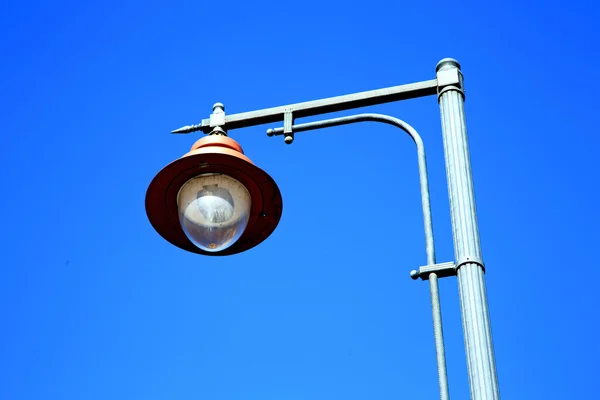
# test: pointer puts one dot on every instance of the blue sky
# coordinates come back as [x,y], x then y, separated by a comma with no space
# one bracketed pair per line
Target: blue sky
[96,305]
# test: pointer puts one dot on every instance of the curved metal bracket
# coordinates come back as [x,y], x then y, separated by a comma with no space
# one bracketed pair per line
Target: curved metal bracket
[433,273]
[386,119]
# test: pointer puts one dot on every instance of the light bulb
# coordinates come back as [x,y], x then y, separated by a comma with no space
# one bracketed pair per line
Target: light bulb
[213,210]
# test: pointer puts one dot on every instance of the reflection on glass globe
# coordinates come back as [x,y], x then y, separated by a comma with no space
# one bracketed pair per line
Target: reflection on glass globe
[213,210]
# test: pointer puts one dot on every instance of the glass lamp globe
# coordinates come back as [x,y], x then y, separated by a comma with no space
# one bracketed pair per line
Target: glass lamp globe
[213,210]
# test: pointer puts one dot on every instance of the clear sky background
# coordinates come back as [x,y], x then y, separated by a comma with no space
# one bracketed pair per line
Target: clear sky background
[94,304]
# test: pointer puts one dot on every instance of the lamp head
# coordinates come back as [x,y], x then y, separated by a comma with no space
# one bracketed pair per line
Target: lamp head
[214,200]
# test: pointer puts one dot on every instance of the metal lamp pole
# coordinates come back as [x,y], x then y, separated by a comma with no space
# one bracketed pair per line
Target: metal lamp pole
[465,232]
[468,265]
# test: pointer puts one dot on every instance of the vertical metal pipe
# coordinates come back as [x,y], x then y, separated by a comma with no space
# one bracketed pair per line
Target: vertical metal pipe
[439,336]
[436,310]
[467,249]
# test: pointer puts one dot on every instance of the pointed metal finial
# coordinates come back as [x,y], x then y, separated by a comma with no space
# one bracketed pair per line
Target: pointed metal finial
[188,129]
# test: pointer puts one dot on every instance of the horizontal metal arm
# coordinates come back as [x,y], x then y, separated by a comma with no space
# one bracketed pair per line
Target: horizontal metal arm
[317,107]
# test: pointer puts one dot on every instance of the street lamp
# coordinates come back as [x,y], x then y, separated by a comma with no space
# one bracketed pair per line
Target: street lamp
[215,201]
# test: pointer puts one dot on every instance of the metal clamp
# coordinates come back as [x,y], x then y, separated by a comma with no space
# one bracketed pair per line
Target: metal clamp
[470,260]
[445,269]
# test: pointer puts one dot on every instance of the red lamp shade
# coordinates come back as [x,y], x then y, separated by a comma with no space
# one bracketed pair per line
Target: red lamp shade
[214,200]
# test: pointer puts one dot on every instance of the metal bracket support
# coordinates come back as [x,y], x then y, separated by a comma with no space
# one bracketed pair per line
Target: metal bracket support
[318,107]
[288,123]
[217,120]
[441,270]
[444,269]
